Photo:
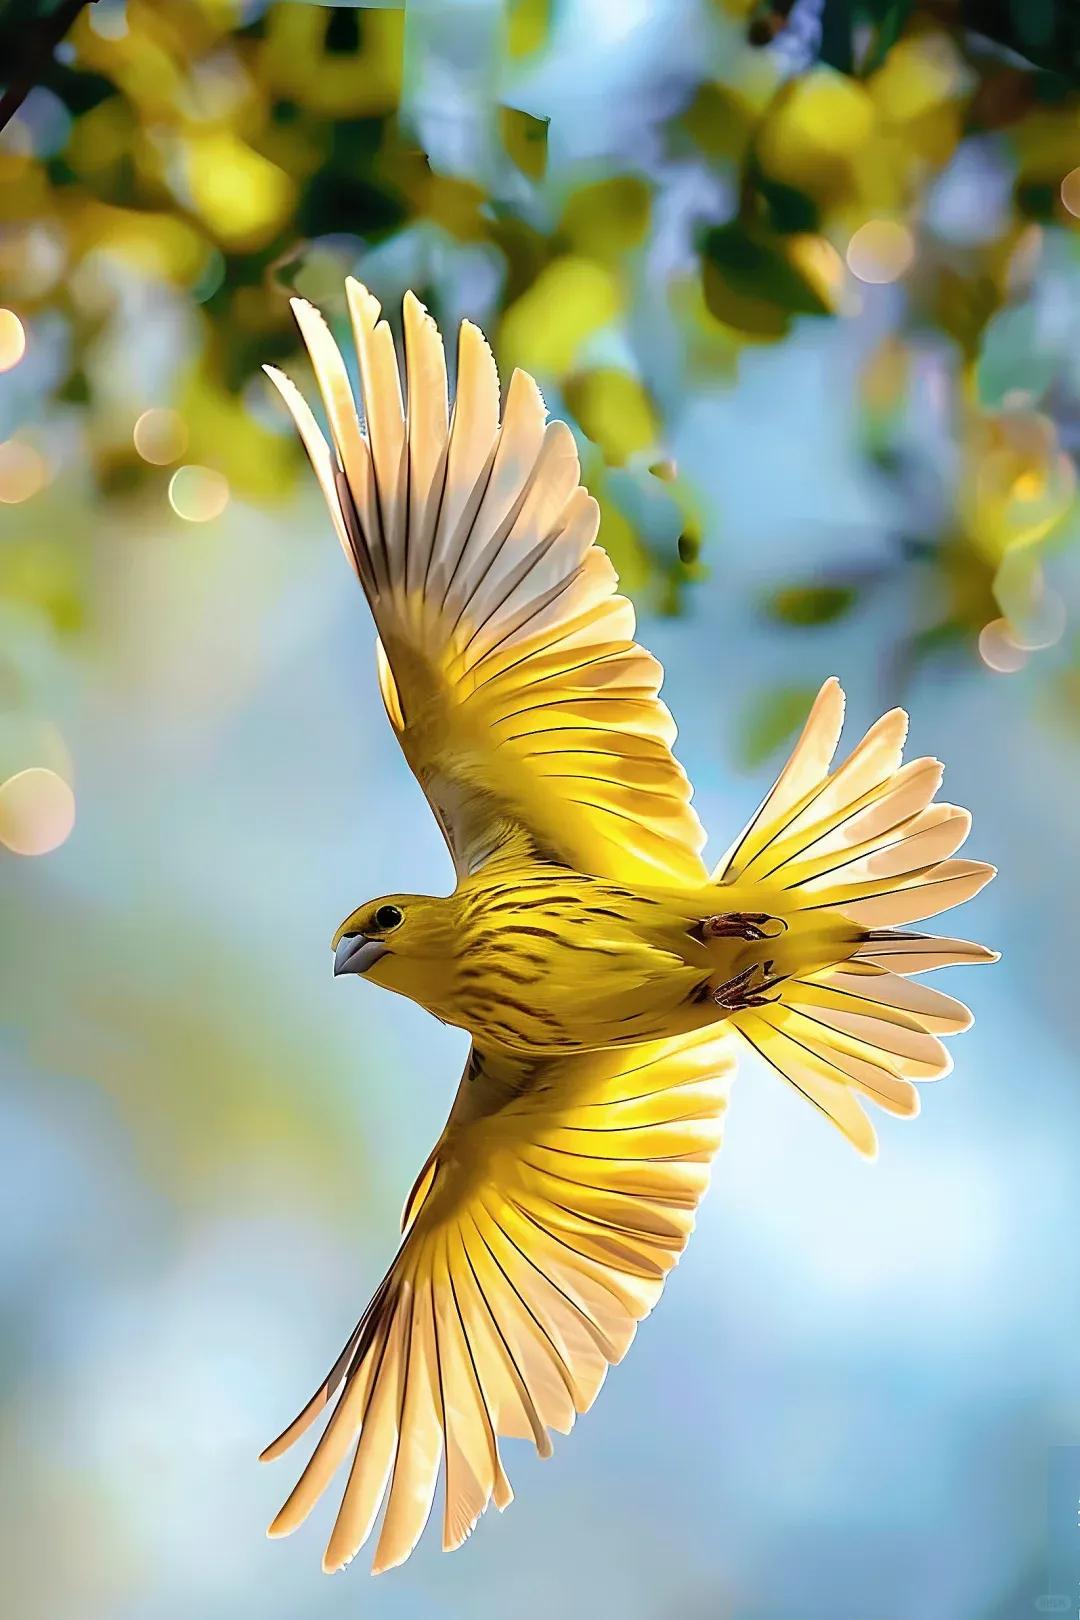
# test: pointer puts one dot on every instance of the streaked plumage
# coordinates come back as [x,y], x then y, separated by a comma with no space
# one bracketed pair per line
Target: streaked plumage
[605,976]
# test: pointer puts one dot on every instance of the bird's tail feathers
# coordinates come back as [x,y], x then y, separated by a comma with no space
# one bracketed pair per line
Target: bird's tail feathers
[864,843]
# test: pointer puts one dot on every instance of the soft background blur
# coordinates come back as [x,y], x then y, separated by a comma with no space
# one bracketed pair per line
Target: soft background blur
[806,280]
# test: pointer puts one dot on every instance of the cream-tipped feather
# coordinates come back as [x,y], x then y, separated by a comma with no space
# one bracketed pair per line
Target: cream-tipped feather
[475,545]
[523,1275]
[866,842]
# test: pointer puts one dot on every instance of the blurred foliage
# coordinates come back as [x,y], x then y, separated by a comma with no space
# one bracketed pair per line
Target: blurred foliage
[223,1064]
[770,717]
[811,604]
[180,167]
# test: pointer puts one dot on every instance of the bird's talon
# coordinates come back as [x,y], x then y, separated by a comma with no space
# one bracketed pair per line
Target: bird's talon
[762,1000]
[747,925]
[743,990]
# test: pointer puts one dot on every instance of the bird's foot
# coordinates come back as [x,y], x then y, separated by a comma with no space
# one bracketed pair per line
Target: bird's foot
[748,925]
[750,988]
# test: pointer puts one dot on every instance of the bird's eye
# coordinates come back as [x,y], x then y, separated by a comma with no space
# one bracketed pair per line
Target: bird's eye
[388,917]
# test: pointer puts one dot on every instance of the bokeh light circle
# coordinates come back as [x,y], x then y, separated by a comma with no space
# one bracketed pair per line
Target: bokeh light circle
[37,811]
[23,471]
[12,339]
[160,436]
[997,649]
[880,251]
[1070,192]
[198,494]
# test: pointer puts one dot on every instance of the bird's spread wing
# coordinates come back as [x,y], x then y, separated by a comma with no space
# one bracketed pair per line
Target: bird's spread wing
[507,660]
[538,1234]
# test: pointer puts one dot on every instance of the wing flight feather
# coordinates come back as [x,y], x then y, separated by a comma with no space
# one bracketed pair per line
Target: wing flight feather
[560,1196]
[507,659]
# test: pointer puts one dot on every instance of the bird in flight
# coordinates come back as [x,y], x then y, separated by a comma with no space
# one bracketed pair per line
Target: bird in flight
[606,977]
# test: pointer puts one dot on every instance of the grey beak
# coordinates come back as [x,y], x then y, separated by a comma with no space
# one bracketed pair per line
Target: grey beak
[355,954]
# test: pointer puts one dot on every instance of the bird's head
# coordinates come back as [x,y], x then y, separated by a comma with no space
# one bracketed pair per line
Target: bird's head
[404,942]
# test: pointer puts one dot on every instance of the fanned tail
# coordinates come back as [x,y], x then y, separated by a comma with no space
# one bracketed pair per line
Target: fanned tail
[866,843]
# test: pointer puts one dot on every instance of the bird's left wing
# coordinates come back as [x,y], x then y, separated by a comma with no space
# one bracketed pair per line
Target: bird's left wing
[507,661]
[538,1234]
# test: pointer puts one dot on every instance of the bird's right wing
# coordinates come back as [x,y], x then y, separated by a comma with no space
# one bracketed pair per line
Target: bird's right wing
[507,661]
[538,1235]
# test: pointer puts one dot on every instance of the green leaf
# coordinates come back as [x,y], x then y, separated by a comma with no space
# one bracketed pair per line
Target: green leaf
[751,282]
[805,605]
[789,208]
[889,29]
[770,719]
[837,27]
[525,139]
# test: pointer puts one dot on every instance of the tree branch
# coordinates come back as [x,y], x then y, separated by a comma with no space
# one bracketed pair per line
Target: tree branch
[46,36]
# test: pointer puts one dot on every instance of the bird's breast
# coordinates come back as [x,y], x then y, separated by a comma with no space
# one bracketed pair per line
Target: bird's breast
[562,963]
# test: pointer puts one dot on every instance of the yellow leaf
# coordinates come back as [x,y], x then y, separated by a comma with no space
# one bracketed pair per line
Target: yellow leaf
[614,410]
[622,545]
[609,217]
[525,139]
[295,60]
[227,438]
[162,245]
[545,329]
[815,138]
[916,76]
[528,23]
[241,196]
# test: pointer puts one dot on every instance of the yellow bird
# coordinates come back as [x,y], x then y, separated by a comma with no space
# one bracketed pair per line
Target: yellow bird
[606,978]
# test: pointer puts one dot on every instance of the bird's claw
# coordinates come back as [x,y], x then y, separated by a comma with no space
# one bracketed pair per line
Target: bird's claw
[749,988]
[748,925]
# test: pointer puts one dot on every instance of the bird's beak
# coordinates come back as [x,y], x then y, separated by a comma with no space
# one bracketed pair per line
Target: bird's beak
[355,954]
